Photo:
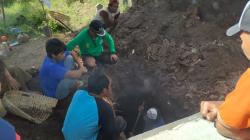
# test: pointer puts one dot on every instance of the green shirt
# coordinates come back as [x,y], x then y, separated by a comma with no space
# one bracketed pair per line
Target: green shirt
[90,46]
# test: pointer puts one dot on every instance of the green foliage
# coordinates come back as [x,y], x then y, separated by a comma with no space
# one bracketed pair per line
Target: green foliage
[70,1]
[28,14]
[87,1]
[36,19]
[9,2]
[54,25]
[28,29]
[24,14]
[3,31]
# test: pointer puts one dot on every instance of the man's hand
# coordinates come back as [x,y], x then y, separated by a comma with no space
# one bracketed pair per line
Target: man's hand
[14,84]
[141,108]
[80,64]
[113,57]
[79,61]
[209,110]
[83,69]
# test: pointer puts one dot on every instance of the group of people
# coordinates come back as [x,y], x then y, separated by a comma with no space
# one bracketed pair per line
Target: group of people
[92,45]
[89,115]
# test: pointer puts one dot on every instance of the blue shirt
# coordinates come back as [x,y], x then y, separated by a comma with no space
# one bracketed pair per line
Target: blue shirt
[7,131]
[51,73]
[151,124]
[81,121]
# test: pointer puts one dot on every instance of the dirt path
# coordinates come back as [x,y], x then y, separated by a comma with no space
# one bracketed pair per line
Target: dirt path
[28,54]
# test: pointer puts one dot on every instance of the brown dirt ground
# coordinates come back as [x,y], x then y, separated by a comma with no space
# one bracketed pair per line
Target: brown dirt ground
[172,55]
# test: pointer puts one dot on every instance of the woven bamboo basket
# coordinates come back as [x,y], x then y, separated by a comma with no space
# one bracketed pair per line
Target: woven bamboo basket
[33,107]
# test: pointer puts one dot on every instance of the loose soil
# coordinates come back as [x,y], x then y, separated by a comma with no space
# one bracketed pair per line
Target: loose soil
[173,54]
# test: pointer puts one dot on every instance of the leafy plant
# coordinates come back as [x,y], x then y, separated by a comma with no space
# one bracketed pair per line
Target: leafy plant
[28,29]
[53,25]
[3,31]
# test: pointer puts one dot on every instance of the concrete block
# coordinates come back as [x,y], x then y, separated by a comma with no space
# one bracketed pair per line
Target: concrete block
[189,128]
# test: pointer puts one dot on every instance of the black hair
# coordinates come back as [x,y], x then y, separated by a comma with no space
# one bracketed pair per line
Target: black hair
[97,82]
[2,70]
[54,46]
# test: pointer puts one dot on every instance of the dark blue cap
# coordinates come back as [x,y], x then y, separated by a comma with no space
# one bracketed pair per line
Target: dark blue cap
[98,27]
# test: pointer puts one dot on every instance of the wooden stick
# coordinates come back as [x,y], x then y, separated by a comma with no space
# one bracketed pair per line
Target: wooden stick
[44,12]
[137,118]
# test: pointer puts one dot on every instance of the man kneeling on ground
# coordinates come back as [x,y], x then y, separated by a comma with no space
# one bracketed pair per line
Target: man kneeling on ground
[7,131]
[90,41]
[89,117]
[57,73]
[109,15]
[14,78]
[231,116]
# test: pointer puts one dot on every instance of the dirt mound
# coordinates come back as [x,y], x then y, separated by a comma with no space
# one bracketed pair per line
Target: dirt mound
[183,52]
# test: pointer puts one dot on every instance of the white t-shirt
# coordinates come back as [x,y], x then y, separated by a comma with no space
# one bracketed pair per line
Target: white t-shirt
[110,15]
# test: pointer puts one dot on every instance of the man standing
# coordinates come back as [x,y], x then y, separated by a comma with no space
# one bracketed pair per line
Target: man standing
[231,117]
[90,41]
[89,116]
[57,73]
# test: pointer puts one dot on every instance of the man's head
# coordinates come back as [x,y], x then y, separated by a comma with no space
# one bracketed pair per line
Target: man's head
[96,28]
[245,38]
[113,6]
[244,26]
[152,113]
[99,84]
[55,49]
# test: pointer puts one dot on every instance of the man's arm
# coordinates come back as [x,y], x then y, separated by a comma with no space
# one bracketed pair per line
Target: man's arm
[110,42]
[117,16]
[13,83]
[116,19]
[106,19]
[75,41]
[229,132]
[111,45]
[76,73]
[77,58]
[210,111]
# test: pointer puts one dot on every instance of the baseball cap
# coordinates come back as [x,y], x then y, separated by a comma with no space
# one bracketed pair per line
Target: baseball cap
[243,24]
[152,113]
[98,27]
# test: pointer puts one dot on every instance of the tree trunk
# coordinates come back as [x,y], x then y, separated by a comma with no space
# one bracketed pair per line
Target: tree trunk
[4,21]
